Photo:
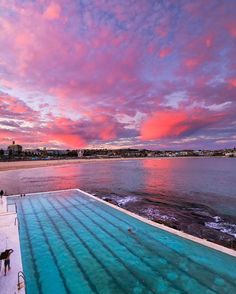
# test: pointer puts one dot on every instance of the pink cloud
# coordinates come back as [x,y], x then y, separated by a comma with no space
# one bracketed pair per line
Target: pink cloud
[231,27]
[53,11]
[100,59]
[191,63]
[164,124]
[209,41]
[232,82]
[11,107]
[21,122]
[165,52]
[162,31]
[64,132]
[175,123]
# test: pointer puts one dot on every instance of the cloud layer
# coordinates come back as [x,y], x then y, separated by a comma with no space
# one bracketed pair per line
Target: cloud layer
[159,75]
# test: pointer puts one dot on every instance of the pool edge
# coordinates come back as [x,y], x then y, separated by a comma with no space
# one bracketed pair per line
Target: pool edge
[187,236]
[166,228]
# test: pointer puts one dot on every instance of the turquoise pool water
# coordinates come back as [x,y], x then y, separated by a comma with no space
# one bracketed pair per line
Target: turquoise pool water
[72,243]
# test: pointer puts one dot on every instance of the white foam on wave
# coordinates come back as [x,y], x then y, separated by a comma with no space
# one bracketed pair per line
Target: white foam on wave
[222,226]
[153,213]
[217,218]
[125,200]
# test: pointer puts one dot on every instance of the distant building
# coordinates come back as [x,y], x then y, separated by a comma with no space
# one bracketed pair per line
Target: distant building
[33,152]
[80,153]
[230,154]
[14,149]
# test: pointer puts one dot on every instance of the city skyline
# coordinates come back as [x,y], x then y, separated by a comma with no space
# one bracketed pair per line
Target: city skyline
[118,74]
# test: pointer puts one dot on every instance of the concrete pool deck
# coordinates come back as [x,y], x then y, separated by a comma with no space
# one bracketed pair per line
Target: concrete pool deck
[9,238]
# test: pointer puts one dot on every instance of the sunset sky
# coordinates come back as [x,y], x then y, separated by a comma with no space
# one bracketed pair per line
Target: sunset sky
[118,73]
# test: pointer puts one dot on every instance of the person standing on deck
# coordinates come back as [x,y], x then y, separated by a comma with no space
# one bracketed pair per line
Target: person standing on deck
[1,193]
[8,252]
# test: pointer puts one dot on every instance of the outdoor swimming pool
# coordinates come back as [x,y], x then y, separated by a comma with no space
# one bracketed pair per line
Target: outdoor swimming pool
[72,243]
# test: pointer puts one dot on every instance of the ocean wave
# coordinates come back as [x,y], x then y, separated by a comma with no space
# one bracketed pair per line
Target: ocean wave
[154,213]
[124,200]
[222,226]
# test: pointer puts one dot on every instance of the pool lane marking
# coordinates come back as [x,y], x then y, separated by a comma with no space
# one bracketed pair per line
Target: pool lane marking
[35,267]
[104,208]
[86,276]
[202,267]
[153,269]
[109,272]
[85,245]
[50,249]
[170,230]
[163,244]
[107,248]
[185,272]
[161,227]
[148,265]
[189,237]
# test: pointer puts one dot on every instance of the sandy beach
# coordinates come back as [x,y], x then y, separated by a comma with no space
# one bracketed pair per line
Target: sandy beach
[5,166]
[13,165]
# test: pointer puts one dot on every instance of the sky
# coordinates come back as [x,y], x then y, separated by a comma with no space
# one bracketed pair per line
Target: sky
[118,74]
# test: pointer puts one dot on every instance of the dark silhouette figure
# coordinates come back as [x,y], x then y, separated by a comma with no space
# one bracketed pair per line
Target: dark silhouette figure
[6,257]
[131,231]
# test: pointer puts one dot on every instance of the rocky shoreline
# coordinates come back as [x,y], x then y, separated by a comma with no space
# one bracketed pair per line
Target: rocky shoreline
[192,218]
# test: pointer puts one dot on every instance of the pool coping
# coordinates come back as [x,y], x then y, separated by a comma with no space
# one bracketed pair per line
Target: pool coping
[187,236]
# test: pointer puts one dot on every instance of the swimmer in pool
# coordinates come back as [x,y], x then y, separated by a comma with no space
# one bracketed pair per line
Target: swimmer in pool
[130,231]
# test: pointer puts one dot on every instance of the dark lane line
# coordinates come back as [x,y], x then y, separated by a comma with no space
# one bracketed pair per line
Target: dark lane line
[107,213]
[122,244]
[134,274]
[51,250]
[86,276]
[109,272]
[147,263]
[35,268]
[207,269]
[106,247]
[185,272]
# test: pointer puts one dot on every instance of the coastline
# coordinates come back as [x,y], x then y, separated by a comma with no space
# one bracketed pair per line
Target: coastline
[15,165]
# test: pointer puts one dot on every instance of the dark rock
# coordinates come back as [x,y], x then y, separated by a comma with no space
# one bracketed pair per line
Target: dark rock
[110,200]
